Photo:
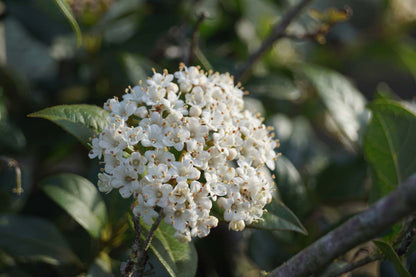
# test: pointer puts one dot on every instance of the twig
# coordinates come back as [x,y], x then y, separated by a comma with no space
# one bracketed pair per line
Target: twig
[357,264]
[136,263]
[194,38]
[128,267]
[407,236]
[143,257]
[358,229]
[279,31]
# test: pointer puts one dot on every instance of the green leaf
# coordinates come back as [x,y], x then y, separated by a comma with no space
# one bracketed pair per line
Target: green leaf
[290,186]
[82,121]
[343,180]
[345,104]
[11,137]
[179,259]
[35,239]
[79,198]
[66,10]
[274,87]
[101,266]
[389,145]
[407,54]
[279,218]
[392,256]
[136,67]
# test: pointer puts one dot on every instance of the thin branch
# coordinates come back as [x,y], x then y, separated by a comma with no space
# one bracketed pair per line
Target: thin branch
[355,265]
[194,38]
[143,257]
[279,31]
[358,229]
[152,231]
[128,267]
[407,236]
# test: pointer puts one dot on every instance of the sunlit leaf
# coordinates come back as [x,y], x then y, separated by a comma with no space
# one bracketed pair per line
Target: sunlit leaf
[66,10]
[389,145]
[79,198]
[35,239]
[279,218]
[331,15]
[179,259]
[345,104]
[392,256]
[82,121]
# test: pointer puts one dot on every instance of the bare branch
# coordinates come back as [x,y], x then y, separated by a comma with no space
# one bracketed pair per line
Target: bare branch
[279,31]
[143,257]
[358,229]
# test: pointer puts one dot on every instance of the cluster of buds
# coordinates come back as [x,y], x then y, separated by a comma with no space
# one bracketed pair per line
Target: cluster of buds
[181,142]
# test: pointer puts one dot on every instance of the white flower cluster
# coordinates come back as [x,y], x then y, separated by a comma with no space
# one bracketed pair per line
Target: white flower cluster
[177,147]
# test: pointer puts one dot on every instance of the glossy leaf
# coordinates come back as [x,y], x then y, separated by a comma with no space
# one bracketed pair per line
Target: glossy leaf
[345,104]
[279,218]
[82,121]
[79,198]
[389,145]
[66,10]
[35,239]
[290,186]
[179,259]
[392,256]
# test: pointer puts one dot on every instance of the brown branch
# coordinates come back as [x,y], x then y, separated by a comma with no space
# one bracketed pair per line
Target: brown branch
[194,38]
[143,257]
[279,31]
[358,229]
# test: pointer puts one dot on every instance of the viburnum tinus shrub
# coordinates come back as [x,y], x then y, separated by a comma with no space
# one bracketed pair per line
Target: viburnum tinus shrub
[181,142]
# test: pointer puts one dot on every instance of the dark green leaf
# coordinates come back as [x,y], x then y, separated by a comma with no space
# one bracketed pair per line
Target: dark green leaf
[343,179]
[79,198]
[392,256]
[137,68]
[66,10]
[389,145]
[290,186]
[407,54]
[34,238]
[101,266]
[11,137]
[345,104]
[279,218]
[299,143]
[179,259]
[82,121]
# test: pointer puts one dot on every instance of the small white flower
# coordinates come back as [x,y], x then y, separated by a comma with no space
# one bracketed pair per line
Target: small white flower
[180,151]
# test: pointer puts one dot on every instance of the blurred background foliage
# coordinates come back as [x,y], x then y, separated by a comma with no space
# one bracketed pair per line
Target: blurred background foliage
[314,91]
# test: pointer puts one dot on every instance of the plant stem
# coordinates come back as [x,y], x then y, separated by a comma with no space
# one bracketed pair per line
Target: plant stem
[279,31]
[143,257]
[358,229]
